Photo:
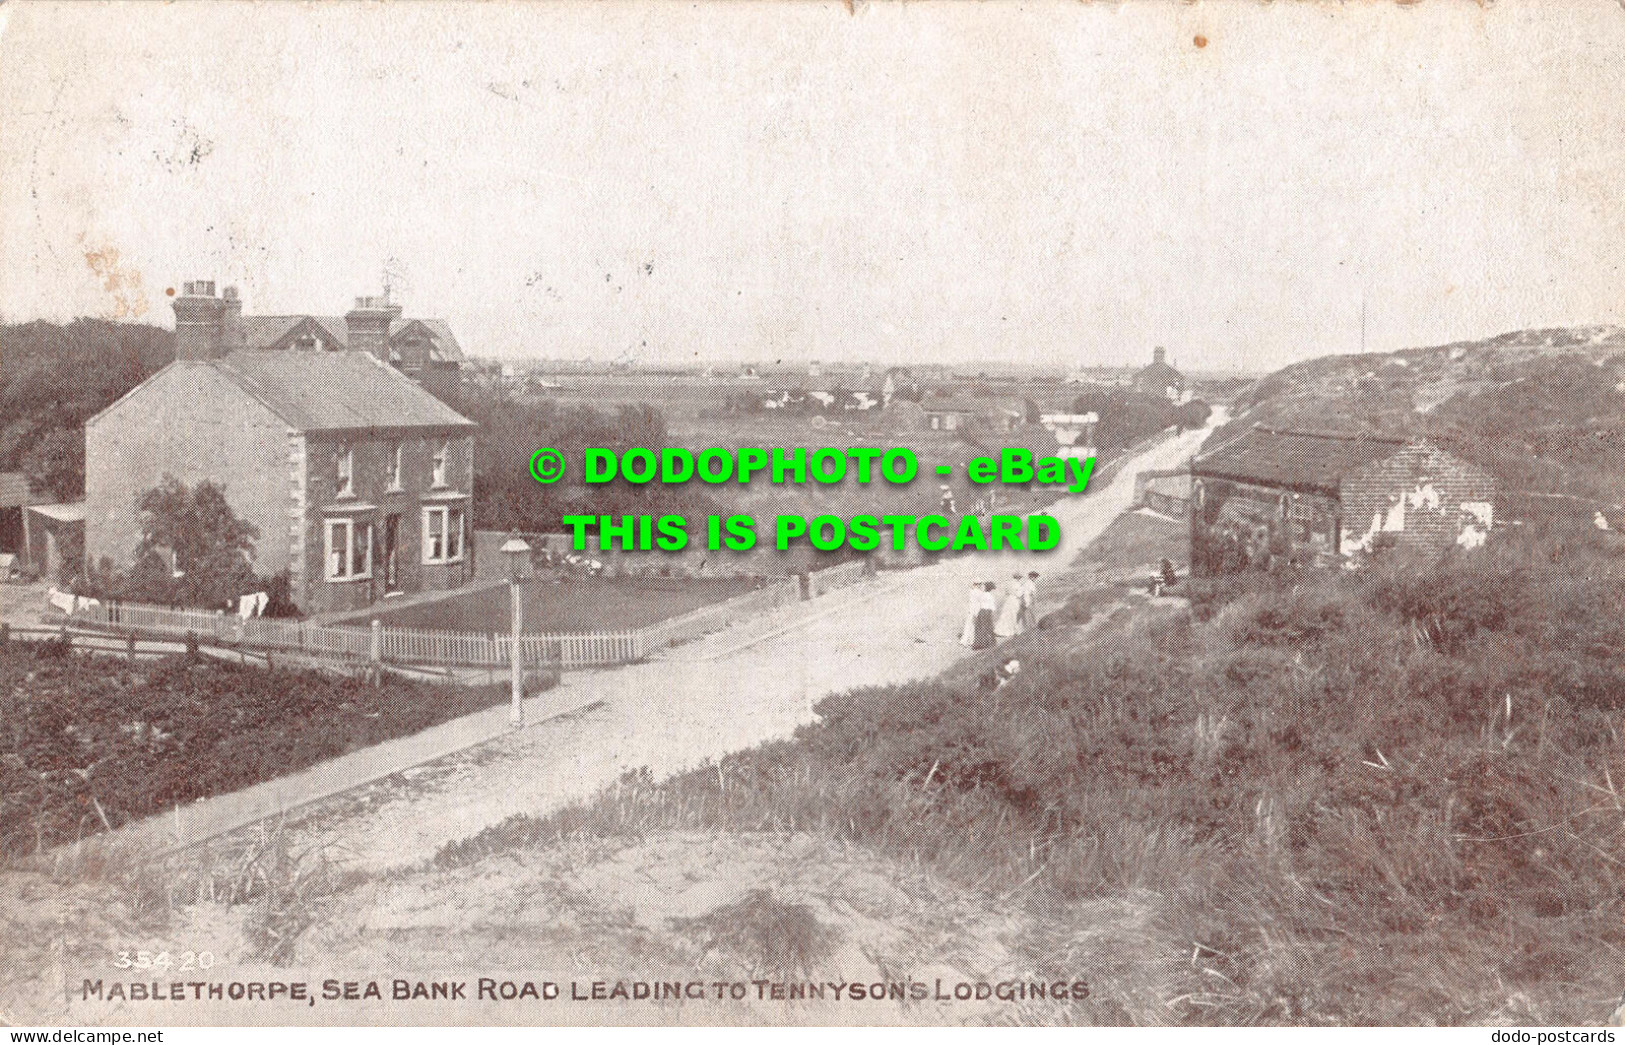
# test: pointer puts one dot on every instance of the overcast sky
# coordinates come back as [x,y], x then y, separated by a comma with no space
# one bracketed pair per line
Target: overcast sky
[919,182]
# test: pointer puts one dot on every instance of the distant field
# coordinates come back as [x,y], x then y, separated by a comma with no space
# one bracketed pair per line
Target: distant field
[675,397]
[923,495]
[578,604]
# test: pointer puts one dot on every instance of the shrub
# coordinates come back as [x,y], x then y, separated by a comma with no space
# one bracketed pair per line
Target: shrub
[769,936]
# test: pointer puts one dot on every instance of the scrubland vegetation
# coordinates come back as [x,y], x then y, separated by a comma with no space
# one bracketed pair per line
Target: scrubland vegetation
[1378,798]
[89,743]
[55,377]
[1542,410]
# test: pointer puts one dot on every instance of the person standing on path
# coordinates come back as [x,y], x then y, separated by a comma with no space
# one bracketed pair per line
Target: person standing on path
[986,606]
[1029,600]
[967,634]
[1008,624]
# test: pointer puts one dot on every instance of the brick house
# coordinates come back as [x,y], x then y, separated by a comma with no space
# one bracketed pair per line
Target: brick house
[1324,497]
[358,480]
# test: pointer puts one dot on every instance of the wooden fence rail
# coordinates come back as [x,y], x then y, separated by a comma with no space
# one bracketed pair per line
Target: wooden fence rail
[781,591]
[820,582]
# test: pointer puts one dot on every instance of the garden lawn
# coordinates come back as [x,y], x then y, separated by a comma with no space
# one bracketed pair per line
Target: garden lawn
[573,604]
[91,742]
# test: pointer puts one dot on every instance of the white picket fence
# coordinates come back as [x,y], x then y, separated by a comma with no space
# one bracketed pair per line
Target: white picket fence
[377,643]
[418,646]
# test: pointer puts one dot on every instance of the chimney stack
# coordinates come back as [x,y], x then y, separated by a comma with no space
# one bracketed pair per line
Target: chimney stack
[231,321]
[197,321]
[368,324]
[1159,355]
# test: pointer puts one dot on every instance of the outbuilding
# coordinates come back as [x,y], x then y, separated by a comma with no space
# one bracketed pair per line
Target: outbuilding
[1315,497]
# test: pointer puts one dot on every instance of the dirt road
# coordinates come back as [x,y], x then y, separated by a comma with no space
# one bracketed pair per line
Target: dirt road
[728,692]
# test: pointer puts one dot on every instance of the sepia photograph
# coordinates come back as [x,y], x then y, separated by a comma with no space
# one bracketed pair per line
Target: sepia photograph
[812,513]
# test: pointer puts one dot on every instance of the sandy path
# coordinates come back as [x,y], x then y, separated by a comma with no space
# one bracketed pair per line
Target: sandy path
[674,714]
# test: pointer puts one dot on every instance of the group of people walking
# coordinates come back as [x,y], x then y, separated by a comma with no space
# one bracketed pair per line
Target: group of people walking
[987,619]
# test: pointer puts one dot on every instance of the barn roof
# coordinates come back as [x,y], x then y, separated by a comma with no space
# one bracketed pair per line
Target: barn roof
[1294,459]
[327,391]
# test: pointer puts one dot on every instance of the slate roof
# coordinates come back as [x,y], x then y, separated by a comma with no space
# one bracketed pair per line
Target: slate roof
[266,331]
[1294,459]
[980,406]
[446,349]
[328,391]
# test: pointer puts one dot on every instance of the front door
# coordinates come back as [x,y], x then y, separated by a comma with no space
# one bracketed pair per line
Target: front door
[392,535]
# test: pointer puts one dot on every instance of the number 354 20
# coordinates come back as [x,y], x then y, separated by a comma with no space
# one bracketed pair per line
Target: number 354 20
[181,961]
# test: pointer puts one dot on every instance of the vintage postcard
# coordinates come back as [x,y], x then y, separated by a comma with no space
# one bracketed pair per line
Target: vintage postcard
[812,513]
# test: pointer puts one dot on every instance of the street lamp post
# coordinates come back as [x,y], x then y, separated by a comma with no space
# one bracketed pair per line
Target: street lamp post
[517,552]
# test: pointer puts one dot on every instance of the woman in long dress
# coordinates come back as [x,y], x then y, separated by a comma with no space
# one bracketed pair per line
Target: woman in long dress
[967,634]
[1009,620]
[987,606]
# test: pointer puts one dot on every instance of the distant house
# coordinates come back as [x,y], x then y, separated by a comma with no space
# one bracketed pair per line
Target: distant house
[358,480]
[1075,433]
[951,413]
[828,395]
[1320,497]
[1159,379]
[870,390]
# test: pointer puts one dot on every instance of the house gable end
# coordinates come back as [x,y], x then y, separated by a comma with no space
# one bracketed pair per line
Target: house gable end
[306,327]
